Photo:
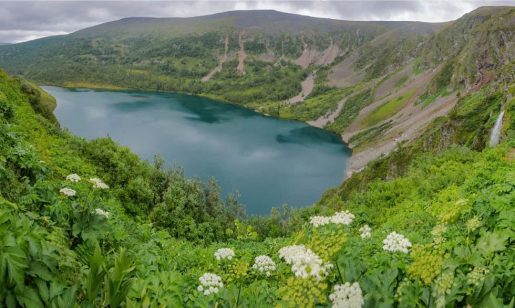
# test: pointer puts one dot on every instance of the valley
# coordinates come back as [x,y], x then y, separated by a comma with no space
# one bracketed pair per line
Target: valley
[416,209]
[303,72]
[290,161]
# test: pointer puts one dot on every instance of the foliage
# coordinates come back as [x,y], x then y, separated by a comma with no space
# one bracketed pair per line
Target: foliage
[147,238]
[351,109]
[387,110]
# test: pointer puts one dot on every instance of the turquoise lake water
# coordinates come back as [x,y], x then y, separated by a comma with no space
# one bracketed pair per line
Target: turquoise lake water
[269,161]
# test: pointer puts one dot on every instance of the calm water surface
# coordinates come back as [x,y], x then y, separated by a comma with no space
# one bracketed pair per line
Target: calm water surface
[269,161]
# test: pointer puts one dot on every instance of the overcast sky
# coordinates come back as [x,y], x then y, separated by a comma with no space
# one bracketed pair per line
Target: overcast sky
[26,20]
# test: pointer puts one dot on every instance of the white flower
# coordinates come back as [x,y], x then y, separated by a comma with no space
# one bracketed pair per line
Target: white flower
[264,265]
[396,242]
[68,192]
[73,177]
[347,296]
[343,218]
[101,212]
[210,284]
[365,231]
[224,253]
[98,183]
[304,262]
[318,221]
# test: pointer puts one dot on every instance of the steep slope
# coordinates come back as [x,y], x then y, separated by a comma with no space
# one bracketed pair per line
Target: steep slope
[68,241]
[174,54]
[376,83]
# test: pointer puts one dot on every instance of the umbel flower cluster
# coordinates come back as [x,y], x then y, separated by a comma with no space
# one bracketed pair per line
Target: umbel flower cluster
[304,262]
[342,218]
[73,178]
[98,183]
[347,296]
[68,192]
[365,232]
[101,212]
[210,284]
[396,242]
[224,254]
[264,265]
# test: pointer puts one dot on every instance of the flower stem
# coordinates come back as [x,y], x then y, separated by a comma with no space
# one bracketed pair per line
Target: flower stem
[339,272]
[238,298]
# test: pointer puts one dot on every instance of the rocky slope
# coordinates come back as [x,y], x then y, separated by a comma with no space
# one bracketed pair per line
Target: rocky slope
[378,84]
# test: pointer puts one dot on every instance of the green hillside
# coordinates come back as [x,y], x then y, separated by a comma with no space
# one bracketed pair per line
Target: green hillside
[173,54]
[343,76]
[425,220]
[75,228]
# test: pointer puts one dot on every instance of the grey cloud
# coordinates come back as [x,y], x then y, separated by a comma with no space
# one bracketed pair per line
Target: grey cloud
[24,20]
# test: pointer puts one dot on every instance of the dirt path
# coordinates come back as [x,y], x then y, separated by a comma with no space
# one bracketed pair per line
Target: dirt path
[241,55]
[307,86]
[221,62]
[329,117]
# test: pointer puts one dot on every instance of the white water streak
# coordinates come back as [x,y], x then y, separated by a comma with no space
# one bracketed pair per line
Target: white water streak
[496,131]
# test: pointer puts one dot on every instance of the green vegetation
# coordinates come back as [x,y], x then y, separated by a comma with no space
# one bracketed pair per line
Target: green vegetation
[96,245]
[88,223]
[369,135]
[351,109]
[315,106]
[387,110]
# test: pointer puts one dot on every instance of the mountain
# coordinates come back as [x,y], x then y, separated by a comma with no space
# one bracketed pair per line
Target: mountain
[378,84]
[427,224]
[88,223]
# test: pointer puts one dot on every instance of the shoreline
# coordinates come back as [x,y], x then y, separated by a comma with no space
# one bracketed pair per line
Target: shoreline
[352,165]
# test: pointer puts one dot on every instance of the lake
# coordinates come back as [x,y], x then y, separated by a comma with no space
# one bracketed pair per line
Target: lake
[271,162]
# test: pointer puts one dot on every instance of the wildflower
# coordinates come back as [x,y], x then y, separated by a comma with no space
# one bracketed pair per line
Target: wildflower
[73,177]
[477,275]
[365,231]
[264,265]
[438,234]
[347,295]
[68,192]
[224,253]
[318,221]
[442,287]
[396,242]
[210,284]
[304,262]
[98,183]
[426,265]
[473,223]
[101,212]
[344,218]
[290,253]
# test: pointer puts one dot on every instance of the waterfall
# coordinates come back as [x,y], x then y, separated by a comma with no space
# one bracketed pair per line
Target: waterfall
[496,131]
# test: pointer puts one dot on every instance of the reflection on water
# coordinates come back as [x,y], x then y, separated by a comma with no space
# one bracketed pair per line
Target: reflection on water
[269,161]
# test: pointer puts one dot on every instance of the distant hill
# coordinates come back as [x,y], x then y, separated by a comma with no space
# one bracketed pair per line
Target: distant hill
[377,83]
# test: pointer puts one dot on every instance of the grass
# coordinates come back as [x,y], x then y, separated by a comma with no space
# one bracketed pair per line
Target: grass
[350,110]
[387,110]
[316,106]
[366,137]
[91,85]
